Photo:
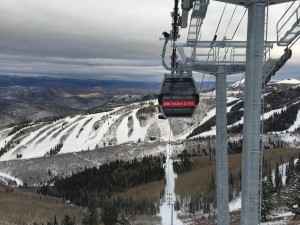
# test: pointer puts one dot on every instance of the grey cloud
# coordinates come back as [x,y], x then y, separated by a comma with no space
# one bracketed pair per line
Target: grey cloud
[76,67]
[98,38]
[77,28]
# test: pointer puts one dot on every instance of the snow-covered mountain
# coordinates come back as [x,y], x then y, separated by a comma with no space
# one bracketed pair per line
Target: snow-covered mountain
[241,83]
[136,125]
[83,132]
[288,81]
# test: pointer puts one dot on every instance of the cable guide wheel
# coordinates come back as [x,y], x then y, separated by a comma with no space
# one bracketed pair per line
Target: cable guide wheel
[178,97]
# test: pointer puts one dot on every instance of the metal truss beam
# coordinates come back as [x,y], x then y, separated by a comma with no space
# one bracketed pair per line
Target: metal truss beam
[246,3]
[214,69]
[222,44]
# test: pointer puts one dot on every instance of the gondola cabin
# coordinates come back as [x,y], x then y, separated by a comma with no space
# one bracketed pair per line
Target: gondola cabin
[178,97]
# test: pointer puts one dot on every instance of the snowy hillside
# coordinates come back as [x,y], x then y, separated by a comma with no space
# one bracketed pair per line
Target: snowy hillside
[138,123]
[83,132]
[128,124]
[289,81]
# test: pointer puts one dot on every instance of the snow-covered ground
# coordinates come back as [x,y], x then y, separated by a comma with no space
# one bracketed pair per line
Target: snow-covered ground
[280,219]
[236,204]
[167,212]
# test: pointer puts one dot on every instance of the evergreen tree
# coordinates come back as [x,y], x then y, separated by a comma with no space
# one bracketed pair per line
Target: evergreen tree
[287,177]
[97,184]
[270,178]
[292,195]
[176,206]
[278,179]
[85,217]
[212,190]
[90,216]
[267,203]
[67,221]
[123,218]
[109,214]
[297,165]
[55,221]
[290,171]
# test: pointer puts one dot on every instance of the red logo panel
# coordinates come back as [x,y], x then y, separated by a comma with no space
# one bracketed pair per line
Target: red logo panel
[179,103]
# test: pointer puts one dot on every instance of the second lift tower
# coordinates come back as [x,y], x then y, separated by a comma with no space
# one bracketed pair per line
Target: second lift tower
[251,160]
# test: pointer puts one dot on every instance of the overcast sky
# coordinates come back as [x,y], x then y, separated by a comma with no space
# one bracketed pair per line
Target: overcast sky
[102,39]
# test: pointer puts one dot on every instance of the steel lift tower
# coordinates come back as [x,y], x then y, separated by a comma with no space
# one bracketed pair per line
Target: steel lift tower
[258,71]
[254,75]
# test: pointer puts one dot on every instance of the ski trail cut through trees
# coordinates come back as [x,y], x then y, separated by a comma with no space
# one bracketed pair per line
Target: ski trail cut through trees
[169,198]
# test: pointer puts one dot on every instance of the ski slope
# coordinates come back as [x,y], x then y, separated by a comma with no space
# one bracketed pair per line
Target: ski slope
[167,212]
[84,132]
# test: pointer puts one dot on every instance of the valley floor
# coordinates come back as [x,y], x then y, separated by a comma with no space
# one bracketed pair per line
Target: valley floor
[25,206]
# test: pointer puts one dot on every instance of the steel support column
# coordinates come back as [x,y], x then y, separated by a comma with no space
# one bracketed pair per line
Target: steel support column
[252,111]
[221,151]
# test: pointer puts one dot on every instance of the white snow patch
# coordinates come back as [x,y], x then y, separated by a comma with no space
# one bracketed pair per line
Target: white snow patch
[4,177]
[284,217]
[138,131]
[3,135]
[231,99]
[237,84]
[267,115]
[122,132]
[235,204]
[296,123]
[288,81]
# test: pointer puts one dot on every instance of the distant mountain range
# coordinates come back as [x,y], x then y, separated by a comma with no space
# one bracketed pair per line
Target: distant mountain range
[35,98]
[67,83]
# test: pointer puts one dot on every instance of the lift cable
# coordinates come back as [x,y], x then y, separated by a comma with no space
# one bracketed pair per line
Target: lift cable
[238,25]
[203,74]
[204,91]
[236,29]
[207,88]
[209,98]
[175,34]
[234,35]
[227,49]
[215,37]
[230,21]
[286,9]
